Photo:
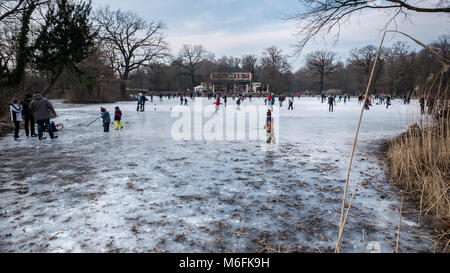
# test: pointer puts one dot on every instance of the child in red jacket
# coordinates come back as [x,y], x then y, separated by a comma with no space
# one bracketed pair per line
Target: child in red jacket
[117,118]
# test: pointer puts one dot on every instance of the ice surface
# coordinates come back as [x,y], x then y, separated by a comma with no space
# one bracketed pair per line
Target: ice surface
[139,190]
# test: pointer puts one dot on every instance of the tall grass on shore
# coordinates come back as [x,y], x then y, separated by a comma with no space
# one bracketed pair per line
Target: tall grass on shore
[419,161]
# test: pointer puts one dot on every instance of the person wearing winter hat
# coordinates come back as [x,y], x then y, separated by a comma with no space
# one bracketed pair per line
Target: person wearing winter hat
[106,119]
[118,118]
[16,116]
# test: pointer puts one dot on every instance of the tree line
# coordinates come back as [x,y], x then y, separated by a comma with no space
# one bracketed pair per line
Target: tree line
[70,51]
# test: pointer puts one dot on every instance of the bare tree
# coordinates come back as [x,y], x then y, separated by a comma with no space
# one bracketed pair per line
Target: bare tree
[12,7]
[130,41]
[361,61]
[273,57]
[273,65]
[190,59]
[250,63]
[322,62]
[323,16]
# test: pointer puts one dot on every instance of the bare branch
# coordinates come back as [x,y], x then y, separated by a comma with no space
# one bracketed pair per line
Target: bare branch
[324,16]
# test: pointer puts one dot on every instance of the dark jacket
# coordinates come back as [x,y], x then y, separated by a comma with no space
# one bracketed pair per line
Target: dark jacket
[26,112]
[41,107]
[106,117]
[118,115]
[330,100]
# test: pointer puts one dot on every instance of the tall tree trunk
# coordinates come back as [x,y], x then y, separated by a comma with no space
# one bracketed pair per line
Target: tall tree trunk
[124,83]
[193,78]
[321,83]
[23,52]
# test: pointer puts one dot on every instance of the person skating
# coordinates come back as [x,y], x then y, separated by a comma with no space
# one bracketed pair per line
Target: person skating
[331,101]
[217,103]
[16,116]
[225,100]
[40,108]
[27,116]
[291,105]
[142,99]
[270,138]
[238,104]
[118,118]
[106,118]
[388,101]
[185,101]
[366,104]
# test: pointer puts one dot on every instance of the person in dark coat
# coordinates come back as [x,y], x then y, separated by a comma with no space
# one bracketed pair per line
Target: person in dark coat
[41,108]
[388,101]
[28,117]
[142,100]
[366,104]
[331,101]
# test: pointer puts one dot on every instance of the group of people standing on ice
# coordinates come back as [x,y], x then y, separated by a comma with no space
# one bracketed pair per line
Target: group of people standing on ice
[33,110]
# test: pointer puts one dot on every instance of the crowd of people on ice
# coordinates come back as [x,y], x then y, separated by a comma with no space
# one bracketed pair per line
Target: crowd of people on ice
[37,109]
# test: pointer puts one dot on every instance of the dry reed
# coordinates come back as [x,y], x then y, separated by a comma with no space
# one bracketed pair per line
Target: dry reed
[419,161]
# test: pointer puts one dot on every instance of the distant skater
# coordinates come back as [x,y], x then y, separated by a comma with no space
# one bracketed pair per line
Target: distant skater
[291,105]
[270,138]
[143,100]
[366,104]
[331,101]
[388,101]
[217,103]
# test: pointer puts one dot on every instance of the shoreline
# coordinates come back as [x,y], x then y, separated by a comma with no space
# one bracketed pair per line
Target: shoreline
[430,221]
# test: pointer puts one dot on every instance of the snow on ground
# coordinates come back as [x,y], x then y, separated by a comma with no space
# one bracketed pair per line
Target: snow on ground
[139,190]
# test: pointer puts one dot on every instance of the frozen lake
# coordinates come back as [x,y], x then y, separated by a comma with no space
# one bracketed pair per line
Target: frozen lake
[139,190]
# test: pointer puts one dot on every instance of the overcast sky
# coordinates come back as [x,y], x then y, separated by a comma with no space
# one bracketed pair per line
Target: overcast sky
[240,27]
